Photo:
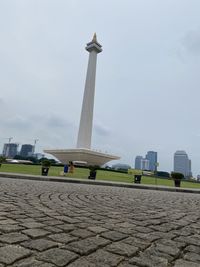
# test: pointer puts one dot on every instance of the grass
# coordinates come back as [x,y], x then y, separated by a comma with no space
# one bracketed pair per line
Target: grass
[101,175]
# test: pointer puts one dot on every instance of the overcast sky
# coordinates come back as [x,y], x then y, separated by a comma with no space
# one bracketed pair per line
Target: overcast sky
[147,83]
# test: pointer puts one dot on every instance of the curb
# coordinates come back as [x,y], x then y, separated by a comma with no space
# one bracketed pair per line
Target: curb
[95,182]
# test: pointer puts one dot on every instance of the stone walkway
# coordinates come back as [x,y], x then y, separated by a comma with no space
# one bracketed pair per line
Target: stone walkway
[46,224]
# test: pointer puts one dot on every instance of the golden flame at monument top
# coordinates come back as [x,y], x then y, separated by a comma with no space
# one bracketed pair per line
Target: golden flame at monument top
[94,39]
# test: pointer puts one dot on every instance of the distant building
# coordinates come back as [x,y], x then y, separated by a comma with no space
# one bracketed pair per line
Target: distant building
[38,155]
[120,166]
[182,163]
[26,150]
[198,178]
[144,164]
[138,162]
[152,157]
[10,150]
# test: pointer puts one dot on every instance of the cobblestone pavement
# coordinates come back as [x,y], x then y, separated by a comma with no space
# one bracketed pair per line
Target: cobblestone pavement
[46,224]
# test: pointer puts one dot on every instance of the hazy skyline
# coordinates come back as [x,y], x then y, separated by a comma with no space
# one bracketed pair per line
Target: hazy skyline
[147,75]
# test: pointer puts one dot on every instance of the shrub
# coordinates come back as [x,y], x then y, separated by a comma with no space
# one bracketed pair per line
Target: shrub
[177,175]
[46,163]
[2,159]
[93,167]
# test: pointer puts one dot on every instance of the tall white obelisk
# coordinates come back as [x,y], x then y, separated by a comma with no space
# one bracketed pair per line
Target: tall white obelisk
[85,127]
[83,152]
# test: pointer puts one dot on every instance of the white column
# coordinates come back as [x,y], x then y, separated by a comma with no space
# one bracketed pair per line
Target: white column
[85,128]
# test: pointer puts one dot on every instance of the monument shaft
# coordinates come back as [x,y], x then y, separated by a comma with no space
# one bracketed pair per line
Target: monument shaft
[86,121]
[83,154]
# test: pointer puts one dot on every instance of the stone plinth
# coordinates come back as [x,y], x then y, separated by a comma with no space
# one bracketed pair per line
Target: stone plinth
[90,157]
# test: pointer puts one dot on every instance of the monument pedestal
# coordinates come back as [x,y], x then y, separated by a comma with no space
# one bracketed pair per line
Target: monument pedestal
[87,156]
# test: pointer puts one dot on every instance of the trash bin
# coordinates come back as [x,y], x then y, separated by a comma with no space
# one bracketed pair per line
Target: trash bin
[137,179]
[177,183]
[45,171]
[92,175]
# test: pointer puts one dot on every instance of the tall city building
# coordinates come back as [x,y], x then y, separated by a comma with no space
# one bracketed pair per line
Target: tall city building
[141,163]
[26,150]
[182,163]
[145,164]
[10,150]
[138,162]
[152,157]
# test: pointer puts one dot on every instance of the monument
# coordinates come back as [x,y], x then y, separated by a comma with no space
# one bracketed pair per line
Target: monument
[83,151]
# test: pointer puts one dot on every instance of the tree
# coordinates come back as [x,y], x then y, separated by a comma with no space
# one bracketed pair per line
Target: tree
[2,160]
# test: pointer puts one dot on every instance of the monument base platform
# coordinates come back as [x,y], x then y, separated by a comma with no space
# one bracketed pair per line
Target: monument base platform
[90,157]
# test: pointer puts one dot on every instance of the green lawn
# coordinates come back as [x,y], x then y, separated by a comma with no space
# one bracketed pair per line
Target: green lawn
[101,175]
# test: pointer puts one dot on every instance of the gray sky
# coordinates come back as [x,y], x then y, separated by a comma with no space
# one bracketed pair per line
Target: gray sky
[147,86]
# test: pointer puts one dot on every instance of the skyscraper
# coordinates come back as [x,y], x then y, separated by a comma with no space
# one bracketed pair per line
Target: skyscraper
[152,157]
[144,164]
[26,150]
[138,162]
[10,150]
[182,163]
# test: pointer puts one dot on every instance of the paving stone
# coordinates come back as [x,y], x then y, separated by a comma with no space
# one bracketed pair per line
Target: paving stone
[126,264]
[59,257]
[97,229]
[63,238]
[88,245]
[83,225]
[32,225]
[104,258]
[189,240]
[147,237]
[7,221]
[83,263]
[142,229]
[40,244]
[12,238]
[126,225]
[191,256]
[10,253]
[67,219]
[192,248]
[32,262]
[26,220]
[66,227]
[171,243]
[52,229]
[183,263]
[122,249]
[114,235]
[82,233]
[160,251]
[161,235]
[35,232]
[149,261]
[173,251]
[137,242]
[10,228]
